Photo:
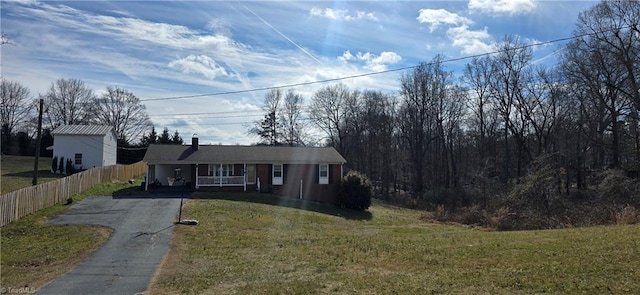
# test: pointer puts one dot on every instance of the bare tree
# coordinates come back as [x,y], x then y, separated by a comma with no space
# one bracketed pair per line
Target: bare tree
[610,30]
[508,82]
[328,110]
[378,147]
[68,102]
[418,117]
[123,110]
[15,106]
[293,127]
[15,109]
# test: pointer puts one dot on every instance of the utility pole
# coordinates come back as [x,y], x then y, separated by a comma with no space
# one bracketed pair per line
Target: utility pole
[38,140]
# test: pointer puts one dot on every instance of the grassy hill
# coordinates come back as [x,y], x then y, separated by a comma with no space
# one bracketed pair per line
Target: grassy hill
[260,244]
[17,172]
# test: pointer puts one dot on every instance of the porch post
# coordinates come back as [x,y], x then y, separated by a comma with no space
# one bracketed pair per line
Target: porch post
[220,172]
[244,171]
[196,176]
[146,183]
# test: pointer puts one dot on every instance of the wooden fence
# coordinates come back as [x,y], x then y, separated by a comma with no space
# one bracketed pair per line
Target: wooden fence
[22,202]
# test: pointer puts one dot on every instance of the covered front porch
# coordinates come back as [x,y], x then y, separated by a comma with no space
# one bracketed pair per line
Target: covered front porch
[225,175]
[239,176]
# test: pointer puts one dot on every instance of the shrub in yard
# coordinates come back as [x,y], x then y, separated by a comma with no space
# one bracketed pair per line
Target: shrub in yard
[471,215]
[501,219]
[540,189]
[54,164]
[70,169]
[628,215]
[355,192]
[441,213]
[615,186]
[61,165]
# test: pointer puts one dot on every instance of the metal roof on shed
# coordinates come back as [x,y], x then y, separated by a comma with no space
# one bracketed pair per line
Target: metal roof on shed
[82,130]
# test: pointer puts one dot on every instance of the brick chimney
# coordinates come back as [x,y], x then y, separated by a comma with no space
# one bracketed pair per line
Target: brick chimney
[194,142]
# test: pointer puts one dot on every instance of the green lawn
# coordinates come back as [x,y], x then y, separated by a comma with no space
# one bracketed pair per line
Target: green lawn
[17,172]
[33,253]
[260,244]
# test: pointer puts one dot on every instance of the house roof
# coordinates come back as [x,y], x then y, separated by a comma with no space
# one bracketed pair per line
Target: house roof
[184,154]
[82,130]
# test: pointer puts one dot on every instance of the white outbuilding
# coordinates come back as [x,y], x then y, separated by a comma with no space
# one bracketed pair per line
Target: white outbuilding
[87,146]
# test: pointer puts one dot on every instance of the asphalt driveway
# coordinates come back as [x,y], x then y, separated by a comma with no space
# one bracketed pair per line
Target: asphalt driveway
[126,262]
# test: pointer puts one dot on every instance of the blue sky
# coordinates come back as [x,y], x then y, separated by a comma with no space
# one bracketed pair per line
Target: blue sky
[159,49]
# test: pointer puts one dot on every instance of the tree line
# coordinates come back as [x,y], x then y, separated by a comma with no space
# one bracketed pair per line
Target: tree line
[72,102]
[503,123]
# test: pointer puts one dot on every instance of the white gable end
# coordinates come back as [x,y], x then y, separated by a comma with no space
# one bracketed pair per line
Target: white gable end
[87,150]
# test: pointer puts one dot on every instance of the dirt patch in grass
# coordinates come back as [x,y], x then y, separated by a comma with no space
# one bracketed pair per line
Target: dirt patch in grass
[245,247]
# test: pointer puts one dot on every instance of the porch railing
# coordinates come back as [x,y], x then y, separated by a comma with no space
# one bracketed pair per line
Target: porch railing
[221,180]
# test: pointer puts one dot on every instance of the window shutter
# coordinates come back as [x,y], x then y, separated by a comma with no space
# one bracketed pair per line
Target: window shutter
[284,173]
[316,173]
[330,173]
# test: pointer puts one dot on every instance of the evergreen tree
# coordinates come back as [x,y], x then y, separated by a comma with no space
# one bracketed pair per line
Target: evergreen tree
[164,138]
[269,129]
[176,138]
[61,166]
[54,164]
[151,138]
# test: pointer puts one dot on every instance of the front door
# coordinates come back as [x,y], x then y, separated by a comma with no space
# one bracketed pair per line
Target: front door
[251,174]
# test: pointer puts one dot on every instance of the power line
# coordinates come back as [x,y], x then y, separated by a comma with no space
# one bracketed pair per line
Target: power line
[206,113]
[375,73]
[206,116]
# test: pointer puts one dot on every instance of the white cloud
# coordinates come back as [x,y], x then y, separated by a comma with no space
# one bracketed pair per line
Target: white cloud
[371,61]
[437,17]
[511,7]
[151,55]
[346,56]
[469,41]
[199,64]
[338,14]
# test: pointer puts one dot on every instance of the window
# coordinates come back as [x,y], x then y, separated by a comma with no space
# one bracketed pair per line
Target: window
[220,170]
[323,172]
[78,160]
[277,174]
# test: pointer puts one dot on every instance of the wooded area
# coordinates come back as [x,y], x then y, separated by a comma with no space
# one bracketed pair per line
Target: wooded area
[507,133]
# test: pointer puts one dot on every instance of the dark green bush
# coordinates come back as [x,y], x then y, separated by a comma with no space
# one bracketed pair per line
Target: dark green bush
[355,192]
[69,168]
[61,165]
[54,164]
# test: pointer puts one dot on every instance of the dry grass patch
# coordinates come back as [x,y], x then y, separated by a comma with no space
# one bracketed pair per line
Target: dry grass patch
[259,244]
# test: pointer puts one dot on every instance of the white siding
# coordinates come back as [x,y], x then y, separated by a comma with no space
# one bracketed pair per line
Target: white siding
[110,144]
[95,149]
